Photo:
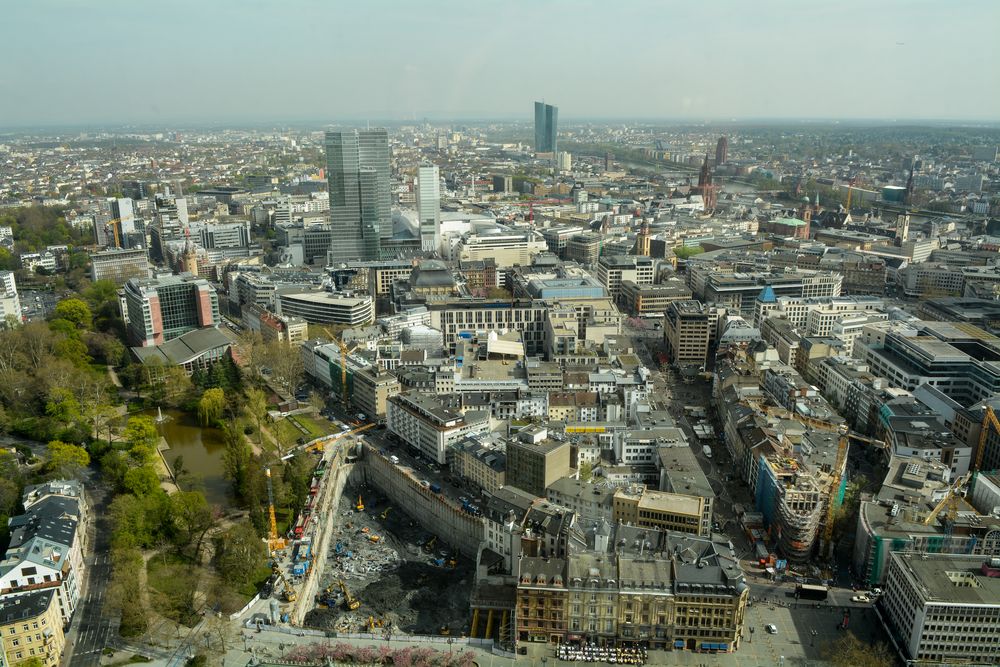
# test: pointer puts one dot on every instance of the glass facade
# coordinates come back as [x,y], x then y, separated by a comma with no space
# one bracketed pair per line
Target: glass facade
[546,127]
[358,178]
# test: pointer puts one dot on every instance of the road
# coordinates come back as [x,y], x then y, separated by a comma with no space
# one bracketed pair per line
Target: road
[94,625]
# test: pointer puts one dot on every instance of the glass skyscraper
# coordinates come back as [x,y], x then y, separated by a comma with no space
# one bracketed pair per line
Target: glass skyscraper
[429,207]
[546,127]
[358,177]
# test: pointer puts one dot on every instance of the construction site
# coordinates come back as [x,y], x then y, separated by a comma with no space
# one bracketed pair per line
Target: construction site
[385,573]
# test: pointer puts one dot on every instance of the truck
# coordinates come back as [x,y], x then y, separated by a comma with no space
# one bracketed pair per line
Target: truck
[707,451]
[314,487]
[435,488]
[300,526]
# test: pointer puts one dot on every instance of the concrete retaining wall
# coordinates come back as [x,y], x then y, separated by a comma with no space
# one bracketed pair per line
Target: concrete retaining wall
[339,474]
[436,514]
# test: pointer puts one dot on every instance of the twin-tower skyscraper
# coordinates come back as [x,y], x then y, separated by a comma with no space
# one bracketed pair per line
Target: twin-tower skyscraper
[359,179]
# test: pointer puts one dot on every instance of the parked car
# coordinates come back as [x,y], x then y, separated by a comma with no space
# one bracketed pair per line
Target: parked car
[861,598]
[771,628]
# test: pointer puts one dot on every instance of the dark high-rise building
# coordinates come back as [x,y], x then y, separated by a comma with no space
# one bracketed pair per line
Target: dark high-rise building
[358,177]
[546,127]
[722,151]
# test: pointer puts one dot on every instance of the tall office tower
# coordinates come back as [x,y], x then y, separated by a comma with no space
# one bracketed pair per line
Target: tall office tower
[722,151]
[357,173]
[429,207]
[546,127]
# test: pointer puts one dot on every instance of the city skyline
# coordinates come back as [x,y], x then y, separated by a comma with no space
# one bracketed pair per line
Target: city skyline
[766,60]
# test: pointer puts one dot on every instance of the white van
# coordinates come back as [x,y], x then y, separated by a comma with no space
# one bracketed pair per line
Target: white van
[707,451]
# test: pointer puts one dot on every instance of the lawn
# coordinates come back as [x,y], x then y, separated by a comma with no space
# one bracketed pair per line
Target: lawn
[288,433]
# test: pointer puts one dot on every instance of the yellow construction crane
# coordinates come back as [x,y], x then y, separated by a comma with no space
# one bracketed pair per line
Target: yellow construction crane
[274,541]
[350,601]
[333,438]
[359,506]
[343,365]
[950,500]
[989,419]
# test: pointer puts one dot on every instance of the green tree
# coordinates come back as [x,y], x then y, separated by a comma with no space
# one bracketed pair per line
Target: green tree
[849,651]
[237,458]
[256,408]
[125,591]
[193,518]
[138,521]
[586,471]
[66,460]
[684,252]
[140,431]
[211,405]
[62,405]
[241,554]
[76,311]
[142,481]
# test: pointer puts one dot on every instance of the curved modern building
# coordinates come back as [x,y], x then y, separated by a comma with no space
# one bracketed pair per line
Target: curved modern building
[328,308]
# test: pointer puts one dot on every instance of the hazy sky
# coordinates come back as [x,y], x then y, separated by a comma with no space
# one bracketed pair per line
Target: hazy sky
[115,61]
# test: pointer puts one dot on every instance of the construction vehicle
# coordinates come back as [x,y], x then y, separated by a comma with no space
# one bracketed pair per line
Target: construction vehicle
[989,419]
[384,513]
[372,537]
[274,541]
[350,602]
[359,506]
[287,591]
[429,544]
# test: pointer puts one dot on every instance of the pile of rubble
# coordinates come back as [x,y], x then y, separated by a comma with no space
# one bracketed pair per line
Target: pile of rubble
[403,579]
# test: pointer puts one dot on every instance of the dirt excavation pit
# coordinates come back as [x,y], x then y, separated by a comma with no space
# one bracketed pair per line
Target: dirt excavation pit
[406,580]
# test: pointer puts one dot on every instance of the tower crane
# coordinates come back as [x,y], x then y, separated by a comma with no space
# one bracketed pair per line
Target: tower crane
[989,419]
[343,366]
[274,541]
[323,443]
[950,500]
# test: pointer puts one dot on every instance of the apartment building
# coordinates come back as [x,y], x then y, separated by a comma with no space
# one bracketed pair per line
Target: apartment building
[373,388]
[943,608]
[271,327]
[31,629]
[426,425]
[690,328]
[663,589]
[645,508]
[534,461]
[483,466]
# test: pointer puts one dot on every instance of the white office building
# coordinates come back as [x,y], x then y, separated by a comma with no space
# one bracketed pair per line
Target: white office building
[943,608]
[423,423]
